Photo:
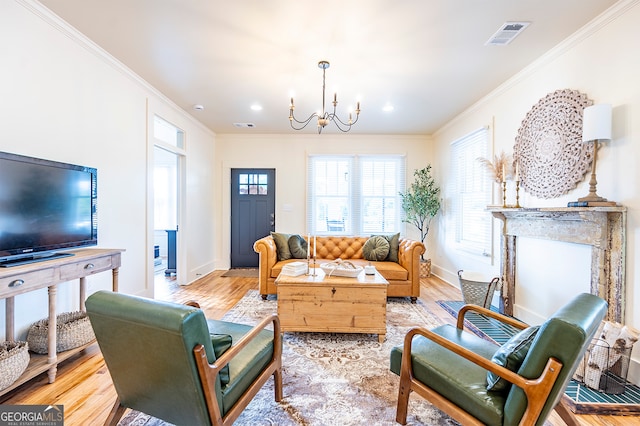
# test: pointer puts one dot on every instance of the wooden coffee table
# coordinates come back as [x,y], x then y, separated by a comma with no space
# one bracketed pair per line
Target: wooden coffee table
[333,304]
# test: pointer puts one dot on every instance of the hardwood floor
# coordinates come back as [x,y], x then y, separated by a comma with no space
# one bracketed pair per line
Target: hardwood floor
[84,387]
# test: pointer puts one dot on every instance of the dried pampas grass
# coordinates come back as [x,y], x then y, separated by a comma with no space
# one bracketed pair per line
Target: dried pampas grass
[501,163]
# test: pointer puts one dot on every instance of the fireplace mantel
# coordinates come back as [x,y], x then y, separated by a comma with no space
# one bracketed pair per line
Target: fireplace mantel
[602,228]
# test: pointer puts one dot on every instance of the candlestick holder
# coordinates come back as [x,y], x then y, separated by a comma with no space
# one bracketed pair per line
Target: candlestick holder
[517,194]
[504,194]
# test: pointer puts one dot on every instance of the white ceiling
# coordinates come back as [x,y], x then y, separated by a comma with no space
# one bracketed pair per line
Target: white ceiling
[427,58]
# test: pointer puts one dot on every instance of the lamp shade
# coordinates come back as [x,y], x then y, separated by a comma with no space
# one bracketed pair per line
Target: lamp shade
[596,123]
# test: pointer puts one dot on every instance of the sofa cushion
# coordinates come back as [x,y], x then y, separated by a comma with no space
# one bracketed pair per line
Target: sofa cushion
[391,271]
[282,245]
[376,248]
[510,355]
[394,246]
[298,246]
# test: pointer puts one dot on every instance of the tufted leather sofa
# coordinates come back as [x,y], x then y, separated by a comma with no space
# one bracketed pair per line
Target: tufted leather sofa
[403,277]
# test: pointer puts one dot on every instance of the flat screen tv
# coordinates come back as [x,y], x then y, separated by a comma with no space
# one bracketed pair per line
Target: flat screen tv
[46,208]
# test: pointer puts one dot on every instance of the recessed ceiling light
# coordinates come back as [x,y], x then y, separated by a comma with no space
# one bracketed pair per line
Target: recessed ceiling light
[387,108]
[256,107]
[198,107]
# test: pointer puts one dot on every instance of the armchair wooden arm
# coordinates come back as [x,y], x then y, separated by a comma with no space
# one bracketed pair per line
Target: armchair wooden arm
[536,390]
[209,372]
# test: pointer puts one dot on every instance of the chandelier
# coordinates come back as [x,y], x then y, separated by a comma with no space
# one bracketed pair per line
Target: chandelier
[324,117]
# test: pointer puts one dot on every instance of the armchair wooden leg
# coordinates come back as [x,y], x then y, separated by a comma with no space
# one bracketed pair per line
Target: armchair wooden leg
[116,413]
[404,389]
[277,381]
[566,414]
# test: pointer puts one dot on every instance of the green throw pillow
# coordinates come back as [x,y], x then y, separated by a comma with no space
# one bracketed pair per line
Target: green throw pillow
[298,247]
[394,246]
[510,355]
[221,342]
[282,245]
[376,248]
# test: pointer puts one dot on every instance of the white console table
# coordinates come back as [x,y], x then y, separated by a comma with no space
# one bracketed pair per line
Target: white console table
[49,273]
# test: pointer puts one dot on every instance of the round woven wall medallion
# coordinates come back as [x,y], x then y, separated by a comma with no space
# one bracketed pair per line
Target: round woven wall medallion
[549,151]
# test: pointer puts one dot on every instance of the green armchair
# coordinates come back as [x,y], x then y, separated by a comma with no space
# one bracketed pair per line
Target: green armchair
[168,361]
[449,366]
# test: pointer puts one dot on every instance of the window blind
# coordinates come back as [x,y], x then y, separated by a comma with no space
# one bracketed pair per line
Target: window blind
[354,195]
[472,193]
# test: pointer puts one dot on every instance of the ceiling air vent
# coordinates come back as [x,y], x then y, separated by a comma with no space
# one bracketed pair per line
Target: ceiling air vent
[245,125]
[507,32]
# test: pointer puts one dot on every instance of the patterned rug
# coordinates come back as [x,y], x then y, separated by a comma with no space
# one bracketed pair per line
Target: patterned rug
[330,378]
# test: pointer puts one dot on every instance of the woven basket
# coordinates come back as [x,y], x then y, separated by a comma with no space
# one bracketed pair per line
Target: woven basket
[14,359]
[73,330]
[475,291]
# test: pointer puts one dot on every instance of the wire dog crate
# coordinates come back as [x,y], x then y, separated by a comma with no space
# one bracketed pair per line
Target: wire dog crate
[605,368]
[476,289]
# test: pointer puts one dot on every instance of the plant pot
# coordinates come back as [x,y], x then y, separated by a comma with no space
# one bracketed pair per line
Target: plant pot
[425,268]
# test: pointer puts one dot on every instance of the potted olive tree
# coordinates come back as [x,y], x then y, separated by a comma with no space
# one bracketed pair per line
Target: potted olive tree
[421,203]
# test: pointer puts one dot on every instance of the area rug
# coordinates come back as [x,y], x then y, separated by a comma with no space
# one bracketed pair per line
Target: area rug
[331,378]
[241,272]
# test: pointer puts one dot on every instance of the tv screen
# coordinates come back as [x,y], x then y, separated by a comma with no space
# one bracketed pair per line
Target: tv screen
[44,206]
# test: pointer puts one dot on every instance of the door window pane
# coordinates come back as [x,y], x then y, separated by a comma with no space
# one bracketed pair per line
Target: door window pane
[252,184]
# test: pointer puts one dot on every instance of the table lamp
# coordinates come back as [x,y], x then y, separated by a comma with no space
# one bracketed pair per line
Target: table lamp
[596,127]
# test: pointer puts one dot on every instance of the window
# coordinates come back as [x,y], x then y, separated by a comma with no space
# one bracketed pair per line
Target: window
[167,132]
[355,195]
[471,194]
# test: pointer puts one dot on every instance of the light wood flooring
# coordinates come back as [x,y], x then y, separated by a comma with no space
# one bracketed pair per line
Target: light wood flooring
[84,387]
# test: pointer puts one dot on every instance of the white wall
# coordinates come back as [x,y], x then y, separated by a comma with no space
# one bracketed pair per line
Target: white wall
[64,99]
[287,154]
[601,61]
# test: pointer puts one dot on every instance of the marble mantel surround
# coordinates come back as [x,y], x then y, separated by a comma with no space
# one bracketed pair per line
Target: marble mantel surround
[602,228]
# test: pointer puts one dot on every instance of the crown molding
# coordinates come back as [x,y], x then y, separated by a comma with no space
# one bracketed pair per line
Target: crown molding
[64,28]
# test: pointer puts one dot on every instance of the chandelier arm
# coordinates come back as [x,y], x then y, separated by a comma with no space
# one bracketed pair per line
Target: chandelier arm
[336,119]
[304,122]
[338,122]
